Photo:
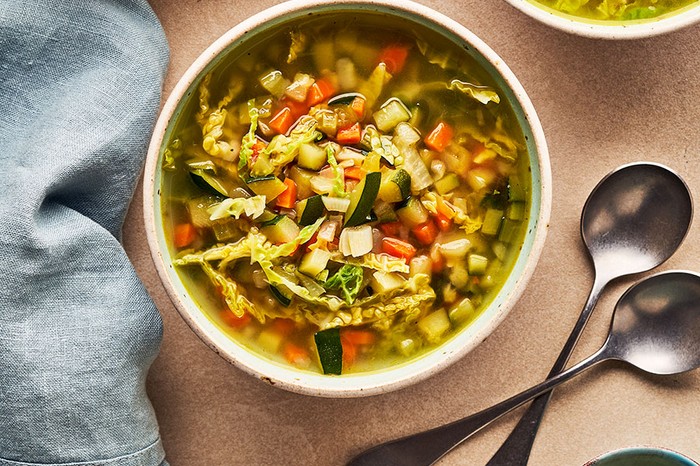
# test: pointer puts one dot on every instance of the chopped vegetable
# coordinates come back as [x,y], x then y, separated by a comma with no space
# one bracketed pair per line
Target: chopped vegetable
[398,248]
[349,135]
[439,138]
[348,279]
[330,350]
[362,199]
[185,234]
[288,197]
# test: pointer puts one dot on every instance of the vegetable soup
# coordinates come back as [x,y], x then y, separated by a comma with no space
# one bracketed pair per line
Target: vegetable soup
[346,193]
[616,10]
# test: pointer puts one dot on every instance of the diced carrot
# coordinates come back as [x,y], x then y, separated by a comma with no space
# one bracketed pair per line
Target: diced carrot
[355,173]
[443,223]
[283,326]
[349,351]
[358,106]
[319,91]
[394,57]
[184,235]
[288,198]
[439,137]
[426,232]
[358,337]
[298,108]
[233,321]
[350,135]
[295,354]
[398,248]
[390,228]
[282,120]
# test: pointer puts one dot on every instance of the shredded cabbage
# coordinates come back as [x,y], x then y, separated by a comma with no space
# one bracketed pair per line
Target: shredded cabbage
[382,262]
[248,139]
[338,180]
[298,45]
[483,94]
[253,207]
[348,279]
[284,149]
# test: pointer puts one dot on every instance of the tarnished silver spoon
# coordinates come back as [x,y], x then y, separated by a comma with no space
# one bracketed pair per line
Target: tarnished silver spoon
[655,327]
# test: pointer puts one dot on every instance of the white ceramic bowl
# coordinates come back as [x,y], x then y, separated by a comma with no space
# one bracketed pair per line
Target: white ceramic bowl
[417,369]
[610,30]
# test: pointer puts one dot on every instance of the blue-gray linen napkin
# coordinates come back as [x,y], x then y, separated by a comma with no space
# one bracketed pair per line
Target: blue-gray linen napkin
[80,84]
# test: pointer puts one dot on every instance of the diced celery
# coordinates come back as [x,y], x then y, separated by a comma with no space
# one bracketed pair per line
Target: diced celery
[516,190]
[477,264]
[434,325]
[462,311]
[490,275]
[509,231]
[327,121]
[406,346]
[447,183]
[312,156]
[386,281]
[283,231]
[492,221]
[499,249]
[516,211]
[391,113]
[226,229]
[274,82]
[314,262]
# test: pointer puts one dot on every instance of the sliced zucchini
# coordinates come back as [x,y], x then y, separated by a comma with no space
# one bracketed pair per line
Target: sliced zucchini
[209,183]
[413,213]
[392,112]
[362,199]
[396,186]
[281,229]
[309,210]
[268,186]
[284,297]
[447,183]
[330,350]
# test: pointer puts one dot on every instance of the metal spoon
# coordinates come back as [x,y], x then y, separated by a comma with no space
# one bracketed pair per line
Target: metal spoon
[655,327]
[633,221]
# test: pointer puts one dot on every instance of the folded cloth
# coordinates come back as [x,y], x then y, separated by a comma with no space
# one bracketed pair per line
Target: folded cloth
[80,85]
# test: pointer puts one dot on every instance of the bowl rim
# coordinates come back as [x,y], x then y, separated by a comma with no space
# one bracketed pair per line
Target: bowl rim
[351,385]
[642,450]
[619,30]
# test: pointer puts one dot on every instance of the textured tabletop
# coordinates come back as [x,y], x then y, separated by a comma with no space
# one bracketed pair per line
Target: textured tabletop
[602,104]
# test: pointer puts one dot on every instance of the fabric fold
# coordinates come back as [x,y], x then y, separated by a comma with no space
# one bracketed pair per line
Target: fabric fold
[80,86]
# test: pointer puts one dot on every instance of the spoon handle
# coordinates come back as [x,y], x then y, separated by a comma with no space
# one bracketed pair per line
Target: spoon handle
[515,451]
[427,447]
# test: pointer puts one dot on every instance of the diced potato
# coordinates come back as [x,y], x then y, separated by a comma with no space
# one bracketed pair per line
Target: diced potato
[434,325]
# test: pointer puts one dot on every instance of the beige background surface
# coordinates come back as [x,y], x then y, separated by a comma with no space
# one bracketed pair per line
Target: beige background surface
[602,104]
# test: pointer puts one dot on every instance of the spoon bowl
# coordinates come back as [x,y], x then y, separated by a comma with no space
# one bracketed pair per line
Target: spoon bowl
[635,219]
[657,324]
[655,327]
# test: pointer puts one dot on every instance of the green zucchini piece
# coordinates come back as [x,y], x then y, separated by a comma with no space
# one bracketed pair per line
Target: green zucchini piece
[362,199]
[447,183]
[270,187]
[392,112]
[284,297]
[272,221]
[209,184]
[344,99]
[309,210]
[330,350]
[396,186]
[283,230]
[413,213]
